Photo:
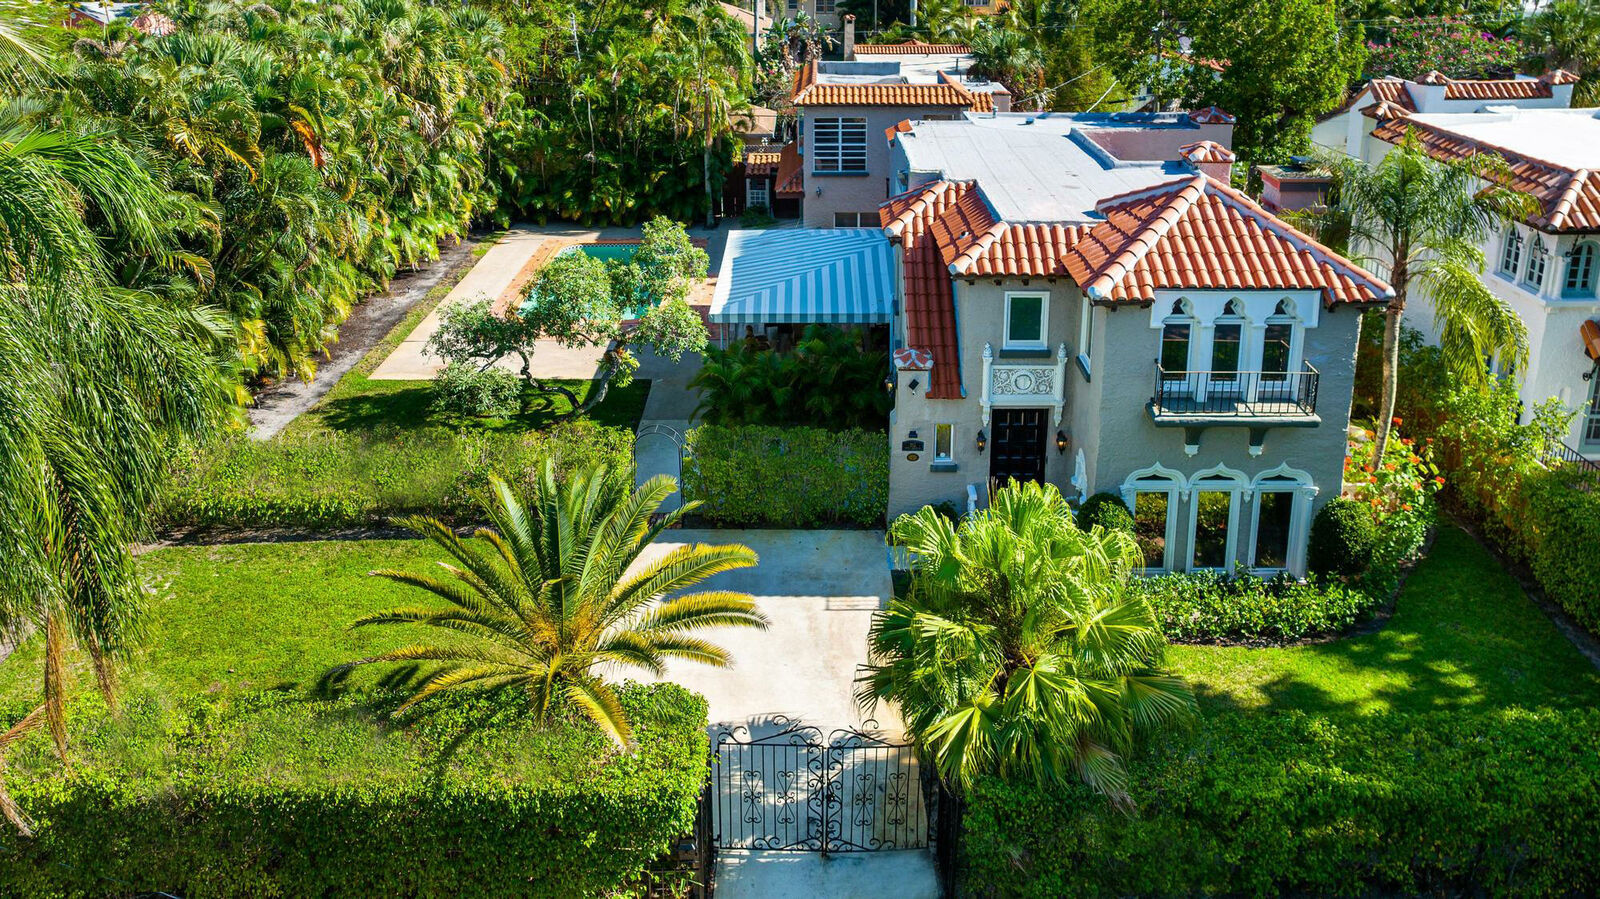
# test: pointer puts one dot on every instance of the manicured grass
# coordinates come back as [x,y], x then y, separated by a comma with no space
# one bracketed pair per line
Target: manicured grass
[358,403]
[1463,636]
[246,617]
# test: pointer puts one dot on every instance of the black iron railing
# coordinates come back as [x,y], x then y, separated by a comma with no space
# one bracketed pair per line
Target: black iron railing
[1558,455]
[1239,394]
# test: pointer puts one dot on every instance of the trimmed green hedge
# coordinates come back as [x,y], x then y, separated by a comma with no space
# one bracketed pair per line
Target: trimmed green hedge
[1205,607]
[289,797]
[787,477]
[1563,541]
[1106,510]
[1442,804]
[328,480]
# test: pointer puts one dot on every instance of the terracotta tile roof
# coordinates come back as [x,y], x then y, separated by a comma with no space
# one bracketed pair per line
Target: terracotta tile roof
[1434,77]
[1569,200]
[947,92]
[1392,90]
[1200,233]
[1499,89]
[908,48]
[155,24]
[1211,115]
[900,127]
[761,162]
[1559,76]
[911,359]
[910,220]
[1206,151]
[791,174]
[1589,333]
[1383,111]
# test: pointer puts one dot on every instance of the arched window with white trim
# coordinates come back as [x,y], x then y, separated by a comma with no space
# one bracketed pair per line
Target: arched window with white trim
[1511,252]
[1216,496]
[1152,494]
[1227,342]
[1280,520]
[1538,261]
[1177,338]
[1579,280]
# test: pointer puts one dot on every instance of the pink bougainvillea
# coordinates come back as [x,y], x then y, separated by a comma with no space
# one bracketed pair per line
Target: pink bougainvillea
[1451,46]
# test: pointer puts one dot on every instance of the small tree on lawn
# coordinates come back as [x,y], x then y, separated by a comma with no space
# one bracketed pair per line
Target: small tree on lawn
[578,301]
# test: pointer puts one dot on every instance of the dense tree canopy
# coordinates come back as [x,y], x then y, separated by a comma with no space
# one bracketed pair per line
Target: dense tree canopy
[1275,64]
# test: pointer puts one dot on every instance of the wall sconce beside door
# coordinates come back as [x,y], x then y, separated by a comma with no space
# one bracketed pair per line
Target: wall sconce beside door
[1062,443]
[983,440]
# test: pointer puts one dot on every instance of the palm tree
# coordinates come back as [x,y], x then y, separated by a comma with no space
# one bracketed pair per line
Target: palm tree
[1019,650]
[1424,221]
[545,598]
[96,382]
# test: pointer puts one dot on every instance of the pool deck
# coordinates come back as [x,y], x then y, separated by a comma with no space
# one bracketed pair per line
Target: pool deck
[502,276]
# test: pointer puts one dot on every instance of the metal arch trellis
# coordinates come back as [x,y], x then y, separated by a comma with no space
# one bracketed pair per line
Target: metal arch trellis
[656,429]
[791,790]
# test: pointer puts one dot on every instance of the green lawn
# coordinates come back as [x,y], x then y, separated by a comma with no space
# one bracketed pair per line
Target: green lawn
[254,616]
[1463,636]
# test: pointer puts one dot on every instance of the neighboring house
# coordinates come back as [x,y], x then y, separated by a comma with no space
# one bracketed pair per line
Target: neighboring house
[136,15]
[841,159]
[1084,300]
[1546,267]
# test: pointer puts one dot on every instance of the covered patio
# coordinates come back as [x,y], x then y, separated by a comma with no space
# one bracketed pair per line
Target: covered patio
[770,281]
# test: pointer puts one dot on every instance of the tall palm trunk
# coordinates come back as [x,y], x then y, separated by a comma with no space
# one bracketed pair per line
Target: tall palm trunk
[1390,371]
[705,167]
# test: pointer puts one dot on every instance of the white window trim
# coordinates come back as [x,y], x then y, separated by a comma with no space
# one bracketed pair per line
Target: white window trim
[843,149]
[1510,268]
[952,456]
[1086,333]
[1538,252]
[1043,343]
[1175,486]
[1580,293]
[1237,484]
[1299,484]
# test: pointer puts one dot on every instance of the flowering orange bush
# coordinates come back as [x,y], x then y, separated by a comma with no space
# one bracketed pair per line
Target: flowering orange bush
[1399,489]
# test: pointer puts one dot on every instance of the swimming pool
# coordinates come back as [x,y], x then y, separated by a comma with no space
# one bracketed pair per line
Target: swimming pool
[605,252]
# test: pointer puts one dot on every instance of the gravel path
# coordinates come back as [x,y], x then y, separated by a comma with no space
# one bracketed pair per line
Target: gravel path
[281,403]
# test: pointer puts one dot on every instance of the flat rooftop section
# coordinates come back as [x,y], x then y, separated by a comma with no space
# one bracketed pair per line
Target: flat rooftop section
[1565,137]
[802,275]
[914,68]
[1032,168]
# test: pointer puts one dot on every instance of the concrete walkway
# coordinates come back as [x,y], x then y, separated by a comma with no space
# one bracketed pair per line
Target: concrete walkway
[754,874]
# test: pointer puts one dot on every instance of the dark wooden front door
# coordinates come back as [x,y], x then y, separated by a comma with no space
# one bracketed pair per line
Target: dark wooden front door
[1017,451]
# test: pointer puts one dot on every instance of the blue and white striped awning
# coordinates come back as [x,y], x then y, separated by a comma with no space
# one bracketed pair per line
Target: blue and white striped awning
[783,275]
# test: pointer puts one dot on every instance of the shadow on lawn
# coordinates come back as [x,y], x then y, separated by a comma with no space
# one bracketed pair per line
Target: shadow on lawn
[406,405]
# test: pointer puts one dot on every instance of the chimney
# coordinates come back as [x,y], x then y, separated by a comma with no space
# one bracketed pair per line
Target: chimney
[850,37]
[1209,158]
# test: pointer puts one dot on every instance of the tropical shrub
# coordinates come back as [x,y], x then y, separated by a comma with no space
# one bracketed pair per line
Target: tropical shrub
[471,392]
[1019,648]
[283,796]
[1497,803]
[786,477]
[1455,47]
[1342,539]
[335,479]
[1206,607]
[828,381]
[1106,510]
[1400,492]
[1544,517]
[531,624]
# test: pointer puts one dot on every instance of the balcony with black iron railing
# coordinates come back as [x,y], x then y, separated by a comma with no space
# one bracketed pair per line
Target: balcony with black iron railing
[1245,398]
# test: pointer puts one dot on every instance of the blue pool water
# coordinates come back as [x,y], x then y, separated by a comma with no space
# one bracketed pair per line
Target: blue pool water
[605,252]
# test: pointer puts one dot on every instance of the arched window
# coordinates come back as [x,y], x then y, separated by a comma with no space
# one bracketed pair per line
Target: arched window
[1511,252]
[1177,329]
[1227,343]
[1538,260]
[1217,494]
[1152,493]
[1277,344]
[1580,271]
[1281,520]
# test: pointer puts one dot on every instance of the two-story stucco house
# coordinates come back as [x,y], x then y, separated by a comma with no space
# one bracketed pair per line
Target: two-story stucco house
[838,167]
[1084,300]
[1547,267]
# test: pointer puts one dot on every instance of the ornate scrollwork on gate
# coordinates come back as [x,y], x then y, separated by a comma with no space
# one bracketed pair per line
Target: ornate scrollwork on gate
[791,790]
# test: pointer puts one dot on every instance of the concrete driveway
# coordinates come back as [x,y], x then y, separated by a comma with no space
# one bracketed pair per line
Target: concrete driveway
[820,589]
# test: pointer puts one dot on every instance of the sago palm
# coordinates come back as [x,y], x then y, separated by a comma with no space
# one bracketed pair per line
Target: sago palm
[1019,650]
[1424,223]
[545,596]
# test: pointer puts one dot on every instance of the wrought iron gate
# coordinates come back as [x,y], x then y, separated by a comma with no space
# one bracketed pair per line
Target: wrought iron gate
[792,790]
